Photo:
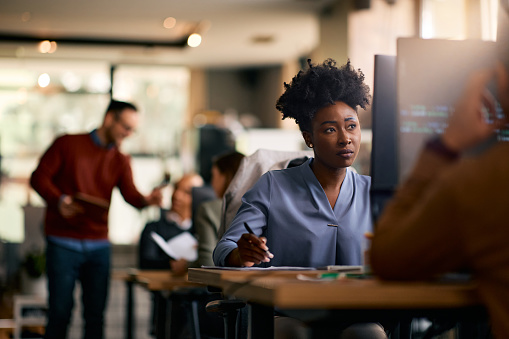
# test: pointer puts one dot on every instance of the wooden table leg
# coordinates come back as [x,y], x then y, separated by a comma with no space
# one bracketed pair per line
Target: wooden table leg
[161,315]
[129,330]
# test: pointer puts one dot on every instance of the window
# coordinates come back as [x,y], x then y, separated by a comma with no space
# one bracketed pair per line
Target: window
[40,99]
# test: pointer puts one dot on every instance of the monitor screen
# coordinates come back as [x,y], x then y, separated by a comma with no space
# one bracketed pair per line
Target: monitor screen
[431,75]
[413,95]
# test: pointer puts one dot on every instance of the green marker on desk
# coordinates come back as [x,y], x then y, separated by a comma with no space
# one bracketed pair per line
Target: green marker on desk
[330,275]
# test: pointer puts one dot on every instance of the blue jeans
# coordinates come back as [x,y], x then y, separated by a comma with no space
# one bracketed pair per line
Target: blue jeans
[64,268]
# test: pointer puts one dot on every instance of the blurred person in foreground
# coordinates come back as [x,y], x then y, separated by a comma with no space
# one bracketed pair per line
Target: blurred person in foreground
[77,246]
[208,214]
[315,214]
[451,212]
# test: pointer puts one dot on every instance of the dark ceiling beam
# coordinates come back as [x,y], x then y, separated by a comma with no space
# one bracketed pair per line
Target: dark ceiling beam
[10,37]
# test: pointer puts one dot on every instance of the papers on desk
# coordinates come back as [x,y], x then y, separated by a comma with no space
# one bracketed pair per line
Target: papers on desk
[183,246]
[332,268]
[271,268]
[343,268]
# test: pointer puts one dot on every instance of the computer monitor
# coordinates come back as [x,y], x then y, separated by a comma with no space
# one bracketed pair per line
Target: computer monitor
[413,96]
[431,76]
[383,169]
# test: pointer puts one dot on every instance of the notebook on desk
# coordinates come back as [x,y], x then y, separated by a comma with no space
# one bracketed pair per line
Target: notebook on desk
[256,268]
[332,268]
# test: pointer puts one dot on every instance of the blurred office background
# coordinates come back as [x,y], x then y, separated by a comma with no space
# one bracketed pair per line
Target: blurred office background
[60,63]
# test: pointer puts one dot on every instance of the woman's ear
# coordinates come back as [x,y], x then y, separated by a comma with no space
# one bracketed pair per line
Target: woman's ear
[307,138]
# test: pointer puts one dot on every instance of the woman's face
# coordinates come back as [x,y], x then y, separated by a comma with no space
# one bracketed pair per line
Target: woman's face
[335,135]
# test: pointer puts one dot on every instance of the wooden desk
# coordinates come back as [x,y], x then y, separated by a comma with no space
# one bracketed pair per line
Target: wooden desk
[157,281]
[224,278]
[351,298]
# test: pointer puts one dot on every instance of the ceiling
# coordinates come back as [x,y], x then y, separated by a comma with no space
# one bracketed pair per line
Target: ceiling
[234,32]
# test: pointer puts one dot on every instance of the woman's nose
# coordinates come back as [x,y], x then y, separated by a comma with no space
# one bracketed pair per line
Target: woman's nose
[344,139]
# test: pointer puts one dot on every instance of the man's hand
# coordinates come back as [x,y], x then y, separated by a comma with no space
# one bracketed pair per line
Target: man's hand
[155,197]
[468,126]
[68,208]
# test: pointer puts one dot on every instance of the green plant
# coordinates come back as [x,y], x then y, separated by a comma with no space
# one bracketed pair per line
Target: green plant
[35,263]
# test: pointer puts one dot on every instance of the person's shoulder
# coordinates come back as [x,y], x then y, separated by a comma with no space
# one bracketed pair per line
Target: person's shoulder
[67,136]
[69,139]
[289,171]
[213,204]
[282,174]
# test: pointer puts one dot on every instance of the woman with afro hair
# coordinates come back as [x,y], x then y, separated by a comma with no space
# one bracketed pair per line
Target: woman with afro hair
[315,214]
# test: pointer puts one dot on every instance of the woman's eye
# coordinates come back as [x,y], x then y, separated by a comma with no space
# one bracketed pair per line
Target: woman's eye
[330,130]
[352,126]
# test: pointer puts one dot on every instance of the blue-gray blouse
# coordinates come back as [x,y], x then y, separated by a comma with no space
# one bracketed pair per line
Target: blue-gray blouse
[290,208]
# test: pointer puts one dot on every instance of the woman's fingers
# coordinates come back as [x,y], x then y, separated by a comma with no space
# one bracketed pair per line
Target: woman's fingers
[253,249]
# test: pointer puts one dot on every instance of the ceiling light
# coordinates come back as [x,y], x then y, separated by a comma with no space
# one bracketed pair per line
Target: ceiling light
[194,40]
[26,16]
[44,80]
[45,46]
[169,22]
[53,47]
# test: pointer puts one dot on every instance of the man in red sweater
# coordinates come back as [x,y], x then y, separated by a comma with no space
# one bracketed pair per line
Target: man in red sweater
[77,238]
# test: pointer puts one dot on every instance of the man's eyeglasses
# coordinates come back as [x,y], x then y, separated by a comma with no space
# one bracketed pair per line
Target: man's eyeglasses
[124,125]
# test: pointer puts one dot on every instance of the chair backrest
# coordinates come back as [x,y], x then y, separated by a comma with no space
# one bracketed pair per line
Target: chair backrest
[251,169]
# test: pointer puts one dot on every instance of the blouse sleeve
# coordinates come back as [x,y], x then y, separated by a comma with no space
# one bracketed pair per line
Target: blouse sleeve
[254,211]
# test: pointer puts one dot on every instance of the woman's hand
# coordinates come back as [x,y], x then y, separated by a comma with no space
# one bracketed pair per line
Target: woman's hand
[250,250]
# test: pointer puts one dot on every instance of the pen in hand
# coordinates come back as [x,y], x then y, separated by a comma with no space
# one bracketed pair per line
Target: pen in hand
[251,232]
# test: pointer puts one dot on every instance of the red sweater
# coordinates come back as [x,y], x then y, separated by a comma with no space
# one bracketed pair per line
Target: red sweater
[74,163]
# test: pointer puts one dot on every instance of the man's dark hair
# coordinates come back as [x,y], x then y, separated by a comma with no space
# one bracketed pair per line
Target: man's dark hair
[228,163]
[320,86]
[116,107]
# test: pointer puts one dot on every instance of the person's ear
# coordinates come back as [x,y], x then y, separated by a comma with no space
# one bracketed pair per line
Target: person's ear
[307,138]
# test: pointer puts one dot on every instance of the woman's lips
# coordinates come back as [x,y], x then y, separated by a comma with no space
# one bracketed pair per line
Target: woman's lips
[346,153]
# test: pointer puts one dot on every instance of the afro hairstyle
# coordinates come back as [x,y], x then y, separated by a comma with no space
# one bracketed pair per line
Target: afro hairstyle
[320,86]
